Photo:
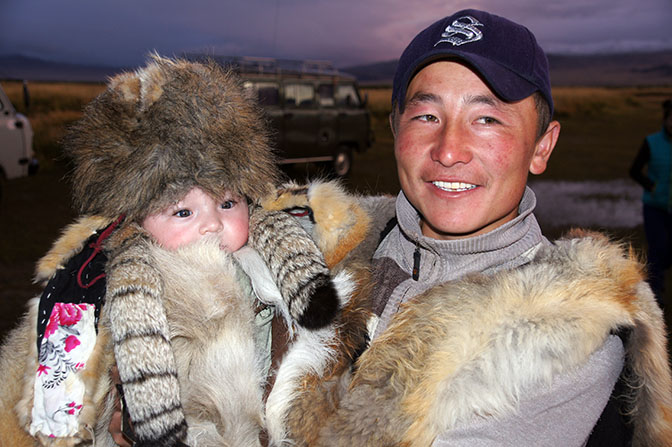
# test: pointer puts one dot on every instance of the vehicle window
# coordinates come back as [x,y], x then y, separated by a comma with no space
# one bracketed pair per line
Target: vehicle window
[299,95]
[325,95]
[268,93]
[346,96]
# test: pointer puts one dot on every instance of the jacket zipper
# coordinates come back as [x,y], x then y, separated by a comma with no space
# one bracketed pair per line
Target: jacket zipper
[416,263]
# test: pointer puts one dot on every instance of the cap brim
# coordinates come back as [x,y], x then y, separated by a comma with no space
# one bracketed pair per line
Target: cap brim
[506,84]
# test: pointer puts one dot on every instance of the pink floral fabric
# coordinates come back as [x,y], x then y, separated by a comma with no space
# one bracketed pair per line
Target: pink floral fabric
[68,341]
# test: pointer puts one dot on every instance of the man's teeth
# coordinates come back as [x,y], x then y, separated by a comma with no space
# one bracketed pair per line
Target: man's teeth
[454,186]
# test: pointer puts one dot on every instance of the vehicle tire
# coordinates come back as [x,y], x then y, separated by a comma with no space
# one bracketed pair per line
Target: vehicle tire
[342,161]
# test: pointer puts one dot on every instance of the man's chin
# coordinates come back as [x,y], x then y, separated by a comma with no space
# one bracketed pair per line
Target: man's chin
[453,230]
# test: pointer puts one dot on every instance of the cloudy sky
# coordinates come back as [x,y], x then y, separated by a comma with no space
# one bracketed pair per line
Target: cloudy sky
[348,32]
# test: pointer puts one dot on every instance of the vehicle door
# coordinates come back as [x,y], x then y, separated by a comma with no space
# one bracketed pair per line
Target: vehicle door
[300,120]
[353,121]
[268,95]
[328,130]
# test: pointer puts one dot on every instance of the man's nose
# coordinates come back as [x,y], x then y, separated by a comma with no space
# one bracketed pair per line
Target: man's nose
[452,146]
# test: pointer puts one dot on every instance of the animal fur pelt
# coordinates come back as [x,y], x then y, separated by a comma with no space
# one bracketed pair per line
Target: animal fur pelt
[138,321]
[195,362]
[155,133]
[211,331]
[513,330]
[346,227]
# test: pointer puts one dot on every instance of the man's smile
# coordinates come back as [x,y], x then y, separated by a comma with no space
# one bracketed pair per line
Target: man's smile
[453,186]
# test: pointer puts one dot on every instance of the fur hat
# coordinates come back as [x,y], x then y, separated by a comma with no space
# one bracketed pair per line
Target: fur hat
[154,134]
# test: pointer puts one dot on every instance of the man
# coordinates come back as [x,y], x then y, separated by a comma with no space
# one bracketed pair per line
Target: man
[472,110]
[472,102]
[655,155]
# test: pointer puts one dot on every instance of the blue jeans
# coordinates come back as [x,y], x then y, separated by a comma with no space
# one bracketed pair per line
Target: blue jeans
[658,229]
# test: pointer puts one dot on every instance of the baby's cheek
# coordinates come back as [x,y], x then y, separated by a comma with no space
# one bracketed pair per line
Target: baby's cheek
[236,237]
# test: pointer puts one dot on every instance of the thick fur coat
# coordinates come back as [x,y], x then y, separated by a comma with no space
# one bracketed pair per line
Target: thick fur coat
[428,371]
[470,348]
[210,319]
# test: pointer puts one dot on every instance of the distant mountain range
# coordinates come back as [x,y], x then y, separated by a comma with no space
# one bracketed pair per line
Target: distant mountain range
[617,69]
[18,67]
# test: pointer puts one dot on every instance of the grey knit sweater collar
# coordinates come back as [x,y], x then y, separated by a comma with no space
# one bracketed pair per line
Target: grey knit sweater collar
[490,247]
[508,246]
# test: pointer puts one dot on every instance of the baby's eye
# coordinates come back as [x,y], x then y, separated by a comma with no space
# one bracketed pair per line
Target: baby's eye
[228,204]
[182,213]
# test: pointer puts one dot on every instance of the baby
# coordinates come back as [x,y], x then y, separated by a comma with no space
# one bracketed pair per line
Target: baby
[170,163]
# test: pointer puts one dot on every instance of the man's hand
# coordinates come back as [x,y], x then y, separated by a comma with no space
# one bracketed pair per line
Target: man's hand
[115,427]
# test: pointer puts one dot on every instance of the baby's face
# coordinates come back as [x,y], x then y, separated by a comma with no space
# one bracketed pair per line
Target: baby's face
[198,215]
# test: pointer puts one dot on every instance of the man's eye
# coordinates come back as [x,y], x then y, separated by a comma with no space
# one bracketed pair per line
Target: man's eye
[427,117]
[487,120]
[182,213]
[228,204]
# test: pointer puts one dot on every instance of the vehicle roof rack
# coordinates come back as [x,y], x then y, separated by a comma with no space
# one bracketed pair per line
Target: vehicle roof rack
[269,65]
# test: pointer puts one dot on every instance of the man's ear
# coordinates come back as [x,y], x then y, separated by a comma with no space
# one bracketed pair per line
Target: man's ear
[392,118]
[544,147]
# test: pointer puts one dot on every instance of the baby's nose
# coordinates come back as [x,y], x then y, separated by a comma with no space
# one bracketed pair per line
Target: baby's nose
[212,225]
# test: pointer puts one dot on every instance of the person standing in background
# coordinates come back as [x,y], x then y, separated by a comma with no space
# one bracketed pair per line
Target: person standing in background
[652,168]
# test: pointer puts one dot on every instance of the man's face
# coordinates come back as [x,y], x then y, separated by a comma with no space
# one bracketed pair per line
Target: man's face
[198,215]
[463,154]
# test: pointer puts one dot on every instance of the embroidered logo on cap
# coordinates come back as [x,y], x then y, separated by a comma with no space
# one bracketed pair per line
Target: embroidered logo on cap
[461,31]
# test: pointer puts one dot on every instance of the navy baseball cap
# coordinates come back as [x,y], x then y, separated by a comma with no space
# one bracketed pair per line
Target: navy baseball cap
[505,54]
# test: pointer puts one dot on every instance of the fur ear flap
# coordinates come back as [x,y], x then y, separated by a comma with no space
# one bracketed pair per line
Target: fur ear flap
[152,79]
[127,85]
[142,88]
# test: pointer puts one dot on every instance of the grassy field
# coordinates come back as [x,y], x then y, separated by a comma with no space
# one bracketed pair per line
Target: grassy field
[602,129]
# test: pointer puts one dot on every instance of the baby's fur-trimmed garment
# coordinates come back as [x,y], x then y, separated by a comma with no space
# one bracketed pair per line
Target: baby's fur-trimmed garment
[194,371]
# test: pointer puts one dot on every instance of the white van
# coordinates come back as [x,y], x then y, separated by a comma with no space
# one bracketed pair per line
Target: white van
[17,158]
